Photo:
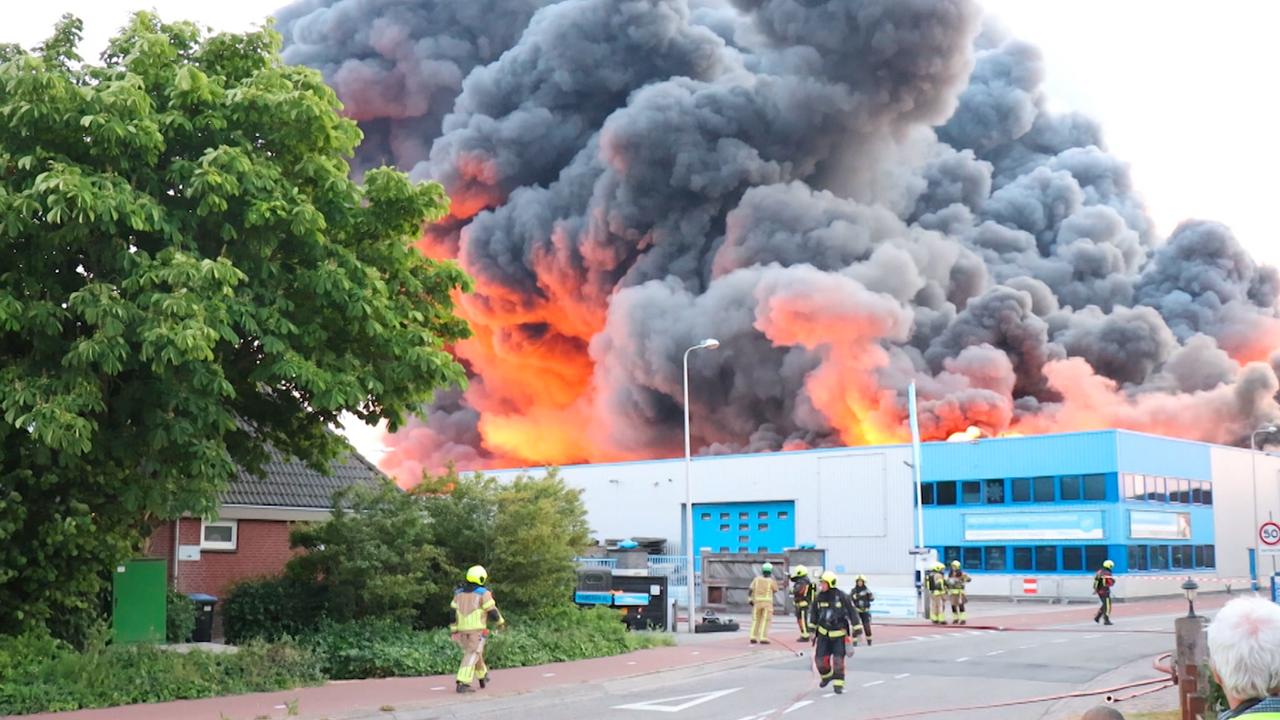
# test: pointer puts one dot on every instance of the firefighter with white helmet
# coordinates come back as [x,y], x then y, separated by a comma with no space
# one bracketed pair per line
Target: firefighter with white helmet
[473,608]
[956,580]
[835,623]
[802,592]
[760,595]
[1103,581]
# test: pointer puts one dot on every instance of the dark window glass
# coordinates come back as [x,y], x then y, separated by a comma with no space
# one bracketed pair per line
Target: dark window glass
[1155,488]
[1022,558]
[1184,492]
[1095,487]
[1173,487]
[1199,556]
[1094,556]
[1073,558]
[946,493]
[972,558]
[1197,493]
[1209,559]
[995,558]
[971,491]
[926,493]
[1022,489]
[1047,558]
[1137,557]
[1208,493]
[949,554]
[1159,557]
[1071,488]
[1044,489]
[1181,557]
[995,492]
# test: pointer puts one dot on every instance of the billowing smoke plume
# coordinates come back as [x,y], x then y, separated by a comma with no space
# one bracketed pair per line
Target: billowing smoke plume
[850,195]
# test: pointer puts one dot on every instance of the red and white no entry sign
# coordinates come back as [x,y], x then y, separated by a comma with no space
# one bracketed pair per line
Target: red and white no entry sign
[1269,534]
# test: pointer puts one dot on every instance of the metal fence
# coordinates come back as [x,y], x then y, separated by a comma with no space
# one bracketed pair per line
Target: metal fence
[596,562]
[672,566]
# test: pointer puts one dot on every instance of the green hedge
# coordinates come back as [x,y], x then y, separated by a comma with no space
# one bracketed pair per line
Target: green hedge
[180,617]
[39,674]
[373,648]
[270,609]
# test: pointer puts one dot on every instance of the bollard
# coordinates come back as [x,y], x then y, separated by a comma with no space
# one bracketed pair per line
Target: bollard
[1190,653]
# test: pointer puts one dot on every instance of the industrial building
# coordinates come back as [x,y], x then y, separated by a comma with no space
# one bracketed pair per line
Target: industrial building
[1026,516]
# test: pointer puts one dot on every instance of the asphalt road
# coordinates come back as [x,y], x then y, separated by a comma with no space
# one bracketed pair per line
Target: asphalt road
[932,670]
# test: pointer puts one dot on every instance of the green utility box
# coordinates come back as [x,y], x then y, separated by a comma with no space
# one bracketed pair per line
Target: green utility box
[138,601]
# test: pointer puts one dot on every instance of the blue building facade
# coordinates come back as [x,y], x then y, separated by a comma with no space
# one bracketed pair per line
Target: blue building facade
[1062,504]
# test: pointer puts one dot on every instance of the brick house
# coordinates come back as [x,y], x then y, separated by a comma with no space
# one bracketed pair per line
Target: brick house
[250,537]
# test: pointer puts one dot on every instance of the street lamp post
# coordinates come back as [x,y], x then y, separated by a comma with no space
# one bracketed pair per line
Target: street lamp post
[708,344]
[1190,588]
[1253,463]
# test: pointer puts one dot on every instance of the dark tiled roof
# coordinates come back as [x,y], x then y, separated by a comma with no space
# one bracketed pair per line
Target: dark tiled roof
[288,482]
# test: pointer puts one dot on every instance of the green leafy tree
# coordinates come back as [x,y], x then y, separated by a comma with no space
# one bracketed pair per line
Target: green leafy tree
[373,559]
[187,275]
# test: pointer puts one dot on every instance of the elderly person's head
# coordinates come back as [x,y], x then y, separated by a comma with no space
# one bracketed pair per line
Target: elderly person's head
[1102,712]
[1244,649]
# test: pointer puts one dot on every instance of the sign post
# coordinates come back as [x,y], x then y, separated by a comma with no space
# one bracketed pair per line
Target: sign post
[1269,537]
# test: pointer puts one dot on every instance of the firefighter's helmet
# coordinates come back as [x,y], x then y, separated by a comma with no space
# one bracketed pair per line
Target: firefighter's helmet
[955,564]
[477,574]
[939,566]
[1108,564]
[800,571]
[829,578]
[861,579]
[767,568]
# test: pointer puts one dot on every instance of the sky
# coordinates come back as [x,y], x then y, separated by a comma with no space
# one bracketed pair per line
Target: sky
[1180,91]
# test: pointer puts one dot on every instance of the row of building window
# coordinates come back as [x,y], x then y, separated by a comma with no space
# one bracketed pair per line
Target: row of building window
[1154,488]
[998,491]
[1076,558]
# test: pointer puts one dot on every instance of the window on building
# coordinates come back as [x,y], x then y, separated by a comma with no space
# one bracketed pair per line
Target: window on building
[1022,558]
[1044,489]
[1073,559]
[1155,488]
[1047,558]
[945,492]
[762,549]
[724,528]
[763,527]
[744,515]
[1198,556]
[926,493]
[972,558]
[1126,486]
[1021,489]
[994,558]
[1172,486]
[1197,492]
[1139,487]
[706,516]
[723,516]
[970,491]
[744,539]
[1071,488]
[1095,487]
[1094,556]
[995,492]
[744,527]
[949,554]
[1137,557]
[1210,559]
[762,515]
[1181,557]
[221,535]
[724,549]
[1159,557]
[1208,493]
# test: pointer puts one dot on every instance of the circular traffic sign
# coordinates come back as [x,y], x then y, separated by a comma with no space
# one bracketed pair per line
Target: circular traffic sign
[1269,533]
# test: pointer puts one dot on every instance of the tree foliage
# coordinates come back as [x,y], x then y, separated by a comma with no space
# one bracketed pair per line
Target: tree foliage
[187,274]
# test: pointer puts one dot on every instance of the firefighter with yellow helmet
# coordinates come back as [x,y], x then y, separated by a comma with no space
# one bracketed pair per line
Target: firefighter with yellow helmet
[1103,581]
[935,584]
[835,623]
[802,592]
[760,595]
[957,578]
[862,598]
[474,607]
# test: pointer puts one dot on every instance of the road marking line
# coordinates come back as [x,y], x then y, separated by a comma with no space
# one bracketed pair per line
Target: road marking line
[696,652]
[1026,647]
[829,695]
[975,632]
[797,706]
[903,675]
[548,674]
[437,688]
[961,659]
[631,662]
[994,652]
[874,682]
[662,706]
[935,636]
[1090,637]
[916,637]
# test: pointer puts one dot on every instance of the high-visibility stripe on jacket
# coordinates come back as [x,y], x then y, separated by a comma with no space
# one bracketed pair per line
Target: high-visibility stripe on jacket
[762,590]
[472,609]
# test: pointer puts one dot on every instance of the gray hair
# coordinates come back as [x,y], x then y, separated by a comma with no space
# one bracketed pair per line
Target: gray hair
[1102,712]
[1244,646]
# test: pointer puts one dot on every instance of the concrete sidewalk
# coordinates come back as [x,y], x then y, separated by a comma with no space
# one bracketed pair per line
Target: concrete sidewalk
[694,655]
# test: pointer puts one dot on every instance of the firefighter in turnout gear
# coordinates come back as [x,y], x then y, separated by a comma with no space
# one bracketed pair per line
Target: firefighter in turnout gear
[802,592]
[935,584]
[956,580]
[473,608]
[760,595]
[835,623]
[1102,583]
[862,598]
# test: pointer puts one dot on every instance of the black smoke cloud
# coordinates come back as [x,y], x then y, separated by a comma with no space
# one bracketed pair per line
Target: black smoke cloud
[796,178]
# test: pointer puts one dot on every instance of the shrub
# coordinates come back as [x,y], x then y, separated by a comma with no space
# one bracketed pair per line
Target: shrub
[180,617]
[374,648]
[39,674]
[270,609]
